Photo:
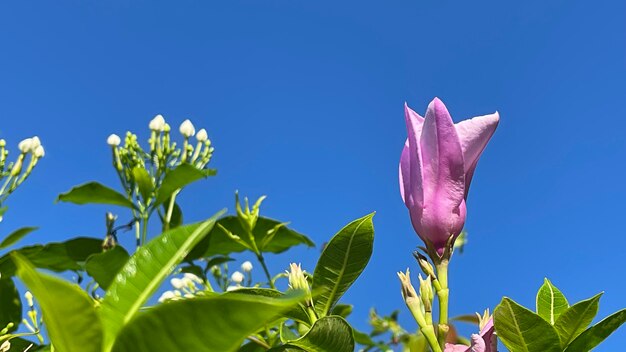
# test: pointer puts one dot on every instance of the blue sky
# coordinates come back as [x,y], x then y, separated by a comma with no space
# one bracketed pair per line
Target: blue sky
[304,102]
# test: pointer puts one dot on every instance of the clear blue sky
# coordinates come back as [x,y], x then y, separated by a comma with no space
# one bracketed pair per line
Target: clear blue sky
[304,103]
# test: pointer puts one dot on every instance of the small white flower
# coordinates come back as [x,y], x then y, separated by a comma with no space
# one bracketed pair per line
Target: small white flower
[39,152]
[189,295]
[187,129]
[177,283]
[157,123]
[26,145]
[237,277]
[114,140]
[202,135]
[246,266]
[36,143]
[167,295]
[193,278]
[5,347]
[232,288]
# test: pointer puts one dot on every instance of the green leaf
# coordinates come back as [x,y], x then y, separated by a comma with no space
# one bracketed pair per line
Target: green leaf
[10,304]
[331,333]
[467,318]
[593,336]
[104,266]
[178,178]
[343,310]
[521,330]
[342,261]
[296,313]
[177,214]
[210,324]
[218,242]
[144,181]
[68,313]
[95,193]
[57,256]
[286,334]
[143,273]
[16,236]
[362,338]
[550,302]
[576,319]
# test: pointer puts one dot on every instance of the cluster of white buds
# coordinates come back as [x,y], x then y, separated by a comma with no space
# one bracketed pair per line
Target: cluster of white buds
[189,286]
[15,172]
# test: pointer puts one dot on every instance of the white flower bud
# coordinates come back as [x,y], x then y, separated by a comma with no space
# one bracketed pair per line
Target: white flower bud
[232,288]
[246,266]
[177,283]
[167,295]
[114,140]
[26,145]
[5,347]
[36,143]
[193,278]
[39,152]
[187,129]
[202,135]
[237,277]
[157,123]
[29,298]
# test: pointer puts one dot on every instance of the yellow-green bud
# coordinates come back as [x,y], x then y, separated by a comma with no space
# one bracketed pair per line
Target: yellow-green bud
[426,292]
[298,281]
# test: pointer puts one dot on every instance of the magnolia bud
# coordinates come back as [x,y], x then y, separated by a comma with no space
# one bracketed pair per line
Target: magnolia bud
[187,129]
[157,124]
[246,266]
[202,135]
[237,277]
[114,140]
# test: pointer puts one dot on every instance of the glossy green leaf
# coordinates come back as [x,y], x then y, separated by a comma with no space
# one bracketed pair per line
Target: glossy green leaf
[342,261]
[103,267]
[95,193]
[16,236]
[218,242]
[331,333]
[178,178]
[210,324]
[143,273]
[177,214]
[593,336]
[296,313]
[550,302]
[68,313]
[576,319]
[10,304]
[362,338]
[144,181]
[521,330]
[56,256]
[286,334]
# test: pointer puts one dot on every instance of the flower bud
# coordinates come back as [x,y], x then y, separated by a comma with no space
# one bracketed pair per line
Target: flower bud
[177,283]
[202,135]
[193,278]
[187,129]
[26,145]
[166,296]
[157,124]
[246,266]
[411,298]
[237,277]
[39,152]
[35,143]
[298,281]
[6,346]
[29,298]
[3,143]
[426,292]
[114,140]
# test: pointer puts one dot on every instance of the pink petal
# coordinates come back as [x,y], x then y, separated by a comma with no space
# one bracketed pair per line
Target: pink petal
[410,161]
[456,348]
[474,135]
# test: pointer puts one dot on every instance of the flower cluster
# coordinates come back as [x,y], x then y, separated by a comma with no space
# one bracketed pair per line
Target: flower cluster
[15,173]
[189,286]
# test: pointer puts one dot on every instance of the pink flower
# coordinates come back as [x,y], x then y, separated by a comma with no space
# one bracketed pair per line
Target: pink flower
[483,342]
[436,168]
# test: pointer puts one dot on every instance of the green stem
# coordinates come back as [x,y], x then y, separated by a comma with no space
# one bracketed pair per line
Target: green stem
[144,229]
[443,296]
[267,272]
[429,334]
[170,209]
